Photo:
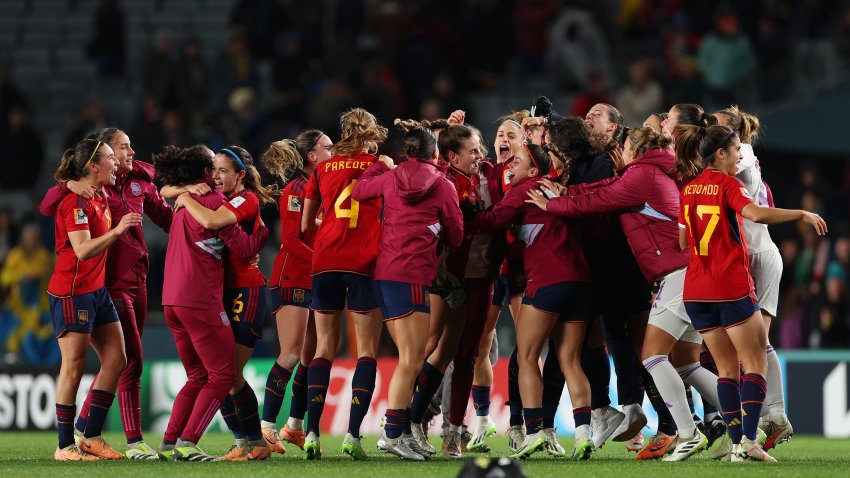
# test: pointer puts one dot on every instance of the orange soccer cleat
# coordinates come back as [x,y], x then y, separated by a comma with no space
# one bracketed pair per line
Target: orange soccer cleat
[98,447]
[656,448]
[72,453]
[291,435]
[272,438]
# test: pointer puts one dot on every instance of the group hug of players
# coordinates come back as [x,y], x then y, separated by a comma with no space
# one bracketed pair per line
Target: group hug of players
[649,244]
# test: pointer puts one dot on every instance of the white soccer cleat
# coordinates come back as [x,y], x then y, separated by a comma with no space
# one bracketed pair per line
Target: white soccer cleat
[632,424]
[636,443]
[421,438]
[484,429]
[400,448]
[777,429]
[723,451]
[553,447]
[516,436]
[532,444]
[752,451]
[584,444]
[685,449]
[604,421]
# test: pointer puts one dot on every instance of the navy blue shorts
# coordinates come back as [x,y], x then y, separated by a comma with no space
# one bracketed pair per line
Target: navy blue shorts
[332,290]
[400,299]
[283,296]
[82,313]
[711,315]
[504,288]
[246,309]
[569,300]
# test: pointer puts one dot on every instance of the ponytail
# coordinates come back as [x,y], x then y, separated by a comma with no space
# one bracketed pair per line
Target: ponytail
[409,124]
[746,125]
[74,162]
[419,142]
[644,139]
[286,158]
[361,131]
[696,146]
[243,161]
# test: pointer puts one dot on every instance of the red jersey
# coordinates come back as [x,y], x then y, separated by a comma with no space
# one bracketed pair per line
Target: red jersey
[710,212]
[294,259]
[238,271]
[71,276]
[348,238]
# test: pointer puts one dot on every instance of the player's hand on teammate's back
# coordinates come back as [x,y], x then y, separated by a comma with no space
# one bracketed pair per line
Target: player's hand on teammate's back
[81,189]
[387,160]
[557,188]
[199,189]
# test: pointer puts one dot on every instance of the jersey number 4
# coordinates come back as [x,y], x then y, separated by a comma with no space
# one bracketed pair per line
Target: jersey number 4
[702,210]
[353,211]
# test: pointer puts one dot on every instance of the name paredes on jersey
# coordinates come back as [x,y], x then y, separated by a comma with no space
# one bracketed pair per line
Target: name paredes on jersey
[704,189]
[346,164]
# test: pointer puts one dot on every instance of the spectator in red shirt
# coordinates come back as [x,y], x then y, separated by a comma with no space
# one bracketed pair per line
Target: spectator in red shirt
[293,161]
[82,311]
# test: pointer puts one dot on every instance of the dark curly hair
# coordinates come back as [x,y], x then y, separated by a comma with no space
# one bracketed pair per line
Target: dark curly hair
[181,166]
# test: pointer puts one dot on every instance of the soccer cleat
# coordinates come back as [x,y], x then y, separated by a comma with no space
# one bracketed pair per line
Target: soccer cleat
[553,447]
[421,438]
[235,453]
[532,444]
[685,449]
[72,453]
[78,434]
[604,421]
[631,425]
[140,451]
[752,451]
[636,443]
[466,438]
[723,451]
[736,454]
[98,447]
[188,451]
[311,447]
[451,445]
[292,435]
[484,429]
[777,429]
[165,452]
[583,446]
[381,445]
[272,438]
[657,447]
[351,447]
[400,447]
[411,442]
[257,450]
[516,436]
[714,429]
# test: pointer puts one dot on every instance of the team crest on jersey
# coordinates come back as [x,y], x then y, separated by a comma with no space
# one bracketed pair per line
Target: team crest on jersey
[237,201]
[80,216]
[298,295]
[83,317]
[136,189]
[294,204]
[224,319]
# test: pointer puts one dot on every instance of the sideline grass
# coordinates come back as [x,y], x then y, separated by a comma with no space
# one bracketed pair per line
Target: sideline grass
[31,454]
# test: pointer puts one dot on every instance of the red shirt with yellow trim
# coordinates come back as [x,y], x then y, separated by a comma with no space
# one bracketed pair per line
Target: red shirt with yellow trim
[71,276]
[710,212]
[295,257]
[350,233]
[238,271]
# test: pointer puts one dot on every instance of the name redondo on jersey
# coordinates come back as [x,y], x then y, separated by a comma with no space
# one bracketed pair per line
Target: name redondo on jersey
[704,189]
[346,164]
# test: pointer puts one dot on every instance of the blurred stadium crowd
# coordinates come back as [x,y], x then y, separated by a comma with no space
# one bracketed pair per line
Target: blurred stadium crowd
[248,72]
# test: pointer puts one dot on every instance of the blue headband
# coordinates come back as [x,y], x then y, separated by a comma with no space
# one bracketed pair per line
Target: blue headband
[236,157]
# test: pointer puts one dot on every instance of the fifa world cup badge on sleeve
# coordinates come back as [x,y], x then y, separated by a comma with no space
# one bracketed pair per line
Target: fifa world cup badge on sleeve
[80,216]
[237,201]
[294,204]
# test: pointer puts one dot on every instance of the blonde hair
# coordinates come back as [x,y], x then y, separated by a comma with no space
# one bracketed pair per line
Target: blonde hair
[362,133]
[746,125]
[646,138]
[409,124]
[517,116]
[286,158]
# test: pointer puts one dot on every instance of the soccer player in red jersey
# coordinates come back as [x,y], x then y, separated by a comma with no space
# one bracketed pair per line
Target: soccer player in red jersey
[192,299]
[293,161]
[420,212]
[344,253]
[126,272]
[245,292]
[555,302]
[81,309]
[719,294]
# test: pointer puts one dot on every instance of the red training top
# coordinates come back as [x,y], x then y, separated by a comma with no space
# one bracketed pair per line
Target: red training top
[293,261]
[420,208]
[238,271]
[348,238]
[71,276]
[194,267]
[719,269]
[553,249]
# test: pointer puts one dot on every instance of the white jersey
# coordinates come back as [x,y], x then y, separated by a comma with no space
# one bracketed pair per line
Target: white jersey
[749,172]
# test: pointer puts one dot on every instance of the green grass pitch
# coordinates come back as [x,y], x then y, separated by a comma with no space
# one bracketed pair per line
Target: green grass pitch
[25,454]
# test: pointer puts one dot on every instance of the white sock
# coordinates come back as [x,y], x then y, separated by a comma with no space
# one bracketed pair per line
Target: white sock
[295,423]
[672,391]
[268,425]
[454,428]
[703,380]
[774,400]
[482,423]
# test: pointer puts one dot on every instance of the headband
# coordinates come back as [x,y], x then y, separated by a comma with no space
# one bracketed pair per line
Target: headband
[92,155]
[514,122]
[234,156]
[528,150]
